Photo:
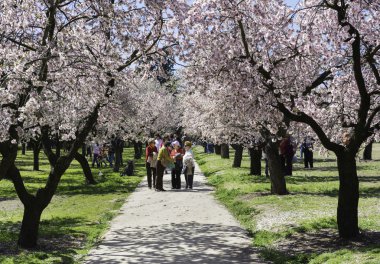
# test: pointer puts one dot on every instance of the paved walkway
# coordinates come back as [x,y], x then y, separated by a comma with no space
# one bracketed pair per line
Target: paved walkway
[176,226]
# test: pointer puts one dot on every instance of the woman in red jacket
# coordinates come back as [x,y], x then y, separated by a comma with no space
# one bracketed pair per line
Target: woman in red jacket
[150,152]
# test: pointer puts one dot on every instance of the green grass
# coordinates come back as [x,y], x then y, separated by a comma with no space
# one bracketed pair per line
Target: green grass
[75,220]
[305,219]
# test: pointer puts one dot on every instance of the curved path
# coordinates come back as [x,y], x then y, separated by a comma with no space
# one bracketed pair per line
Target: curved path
[176,226]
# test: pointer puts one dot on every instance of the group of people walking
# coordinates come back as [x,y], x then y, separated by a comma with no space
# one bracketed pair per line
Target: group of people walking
[101,155]
[163,154]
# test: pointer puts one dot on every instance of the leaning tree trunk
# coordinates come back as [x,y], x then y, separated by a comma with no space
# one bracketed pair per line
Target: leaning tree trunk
[276,171]
[255,154]
[238,155]
[218,150]
[225,151]
[367,154]
[347,216]
[36,156]
[86,168]
[33,208]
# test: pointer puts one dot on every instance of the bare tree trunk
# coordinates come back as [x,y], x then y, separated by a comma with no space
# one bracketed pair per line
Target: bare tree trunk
[57,147]
[138,149]
[84,150]
[348,201]
[218,150]
[23,150]
[276,171]
[225,151]
[255,154]
[30,226]
[36,156]
[238,155]
[118,147]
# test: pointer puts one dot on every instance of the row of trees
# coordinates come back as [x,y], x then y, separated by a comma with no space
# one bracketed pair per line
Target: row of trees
[72,70]
[75,70]
[260,69]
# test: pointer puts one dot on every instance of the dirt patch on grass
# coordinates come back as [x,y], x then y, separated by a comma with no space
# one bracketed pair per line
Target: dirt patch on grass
[324,240]
[250,196]
[272,218]
[10,204]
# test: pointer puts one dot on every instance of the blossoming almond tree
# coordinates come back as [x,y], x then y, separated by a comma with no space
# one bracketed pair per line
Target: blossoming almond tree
[62,62]
[317,65]
[220,114]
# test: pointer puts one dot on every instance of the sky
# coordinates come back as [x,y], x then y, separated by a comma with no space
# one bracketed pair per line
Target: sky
[292,3]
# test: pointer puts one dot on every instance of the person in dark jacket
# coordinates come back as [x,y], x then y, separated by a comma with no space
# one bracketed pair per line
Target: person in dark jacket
[307,147]
[177,155]
[287,153]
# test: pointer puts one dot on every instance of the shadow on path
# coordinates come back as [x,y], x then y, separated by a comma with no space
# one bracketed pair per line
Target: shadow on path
[176,243]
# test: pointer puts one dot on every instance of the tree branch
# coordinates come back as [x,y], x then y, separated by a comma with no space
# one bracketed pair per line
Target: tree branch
[306,119]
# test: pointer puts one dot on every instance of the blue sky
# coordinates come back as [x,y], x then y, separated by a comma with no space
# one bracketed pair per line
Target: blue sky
[291,2]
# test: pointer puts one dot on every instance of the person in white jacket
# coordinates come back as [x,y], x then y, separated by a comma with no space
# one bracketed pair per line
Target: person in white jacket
[188,165]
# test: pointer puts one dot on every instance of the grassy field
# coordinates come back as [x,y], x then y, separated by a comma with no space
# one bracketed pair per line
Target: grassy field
[76,218]
[300,227]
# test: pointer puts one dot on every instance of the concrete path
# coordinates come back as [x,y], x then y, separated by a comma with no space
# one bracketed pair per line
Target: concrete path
[176,226]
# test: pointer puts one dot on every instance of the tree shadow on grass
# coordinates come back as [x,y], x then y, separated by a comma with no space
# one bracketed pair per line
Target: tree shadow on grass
[57,237]
[310,179]
[364,192]
[103,187]
[299,247]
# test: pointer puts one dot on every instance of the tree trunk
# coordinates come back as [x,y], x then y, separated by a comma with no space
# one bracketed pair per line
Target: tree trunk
[347,217]
[238,155]
[84,150]
[23,149]
[276,171]
[86,168]
[121,147]
[255,153]
[367,154]
[36,156]
[29,228]
[225,151]
[141,150]
[58,147]
[137,147]
[218,150]
[118,153]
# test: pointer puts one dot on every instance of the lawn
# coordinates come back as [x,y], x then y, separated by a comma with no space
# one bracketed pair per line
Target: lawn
[299,227]
[76,218]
